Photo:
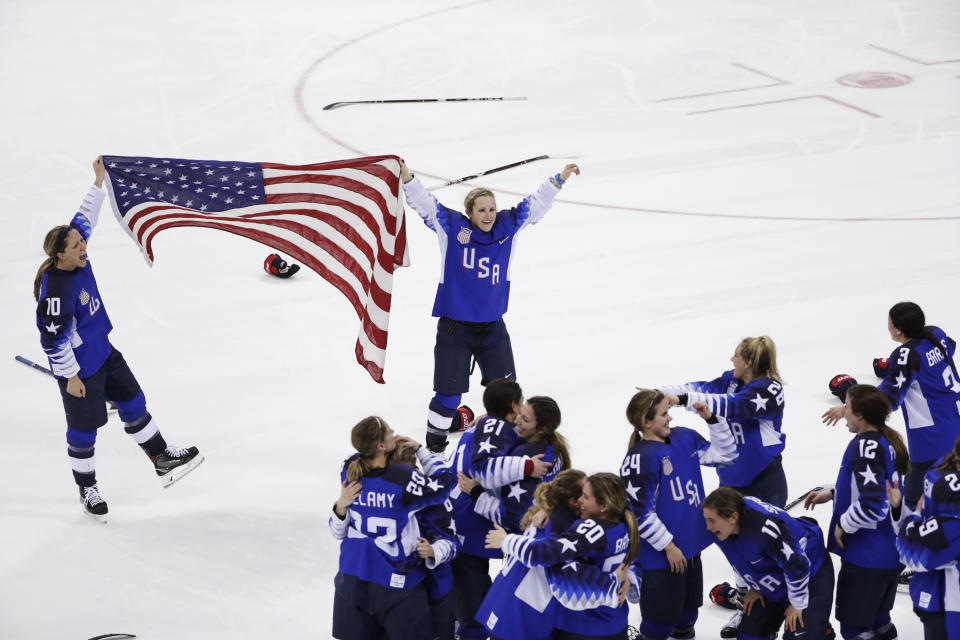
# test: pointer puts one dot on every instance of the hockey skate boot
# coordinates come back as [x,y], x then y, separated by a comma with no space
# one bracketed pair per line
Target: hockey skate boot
[93,505]
[732,628]
[174,463]
[466,416]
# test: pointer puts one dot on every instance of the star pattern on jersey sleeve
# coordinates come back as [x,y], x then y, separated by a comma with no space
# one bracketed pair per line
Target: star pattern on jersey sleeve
[787,551]
[567,544]
[570,566]
[516,491]
[760,402]
[485,447]
[633,491]
[900,379]
[52,328]
[433,484]
[869,477]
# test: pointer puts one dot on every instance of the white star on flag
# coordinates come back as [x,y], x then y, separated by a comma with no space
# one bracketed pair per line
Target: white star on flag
[761,403]
[869,477]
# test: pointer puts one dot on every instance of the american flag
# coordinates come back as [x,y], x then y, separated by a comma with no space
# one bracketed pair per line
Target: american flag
[342,219]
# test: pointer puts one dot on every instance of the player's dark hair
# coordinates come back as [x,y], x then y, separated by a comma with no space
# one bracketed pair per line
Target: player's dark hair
[951,461]
[547,412]
[610,492]
[908,317]
[872,405]
[761,353]
[471,198]
[365,437]
[500,396]
[550,496]
[642,408]
[726,502]
[53,244]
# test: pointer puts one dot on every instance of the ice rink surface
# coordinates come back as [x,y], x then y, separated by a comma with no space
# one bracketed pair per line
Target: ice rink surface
[749,168]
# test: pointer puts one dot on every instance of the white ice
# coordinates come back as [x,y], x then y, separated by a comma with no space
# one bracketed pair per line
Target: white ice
[617,287]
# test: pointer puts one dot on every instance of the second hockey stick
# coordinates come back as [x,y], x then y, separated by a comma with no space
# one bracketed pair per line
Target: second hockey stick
[793,503]
[489,171]
[31,363]
[337,105]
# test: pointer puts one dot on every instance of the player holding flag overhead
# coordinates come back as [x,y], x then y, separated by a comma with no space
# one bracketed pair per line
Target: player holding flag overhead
[475,252]
[74,328]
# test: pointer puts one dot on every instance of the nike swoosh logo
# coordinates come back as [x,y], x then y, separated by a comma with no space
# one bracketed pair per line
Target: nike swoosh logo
[505,239]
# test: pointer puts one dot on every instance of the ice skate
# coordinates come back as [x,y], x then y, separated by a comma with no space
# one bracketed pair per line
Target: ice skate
[732,628]
[174,463]
[93,505]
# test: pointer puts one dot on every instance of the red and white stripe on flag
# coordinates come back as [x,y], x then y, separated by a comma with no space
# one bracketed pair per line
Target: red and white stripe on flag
[342,219]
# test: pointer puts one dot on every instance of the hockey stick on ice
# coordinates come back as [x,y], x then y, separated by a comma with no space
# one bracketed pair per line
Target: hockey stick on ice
[111,406]
[337,105]
[793,503]
[488,172]
[31,363]
[113,636]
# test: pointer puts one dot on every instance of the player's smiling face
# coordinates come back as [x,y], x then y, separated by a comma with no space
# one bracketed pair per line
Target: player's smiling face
[527,424]
[74,252]
[723,528]
[740,366]
[658,427]
[589,507]
[484,213]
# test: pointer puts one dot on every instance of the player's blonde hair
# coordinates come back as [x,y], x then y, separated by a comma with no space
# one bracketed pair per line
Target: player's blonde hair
[471,198]
[761,353]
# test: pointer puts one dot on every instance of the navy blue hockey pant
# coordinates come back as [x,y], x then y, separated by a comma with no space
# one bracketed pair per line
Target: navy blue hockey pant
[112,381]
[913,482]
[770,485]
[670,601]
[864,598]
[765,620]
[364,610]
[460,342]
[471,581]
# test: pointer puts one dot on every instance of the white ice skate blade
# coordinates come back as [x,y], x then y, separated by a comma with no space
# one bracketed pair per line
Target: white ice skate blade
[102,518]
[180,471]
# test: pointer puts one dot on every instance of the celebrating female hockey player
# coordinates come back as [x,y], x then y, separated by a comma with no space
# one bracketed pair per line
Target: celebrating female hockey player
[483,454]
[604,538]
[74,329]
[930,586]
[510,611]
[782,559]
[539,418]
[862,531]
[379,588]
[922,378]
[662,473]
[475,252]
[750,398]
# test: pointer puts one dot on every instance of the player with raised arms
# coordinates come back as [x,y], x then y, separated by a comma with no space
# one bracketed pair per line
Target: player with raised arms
[74,333]
[476,248]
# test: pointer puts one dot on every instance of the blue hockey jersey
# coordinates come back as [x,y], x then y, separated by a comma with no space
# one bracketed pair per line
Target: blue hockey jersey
[941,497]
[475,264]
[931,546]
[381,540]
[921,382]
[508,506]
[666,488]
[577,563]
[775,553]
[754,412]
[71,317]
[861,507]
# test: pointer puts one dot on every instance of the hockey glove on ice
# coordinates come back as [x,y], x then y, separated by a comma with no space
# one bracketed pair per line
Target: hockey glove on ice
[839,385]
[277,266]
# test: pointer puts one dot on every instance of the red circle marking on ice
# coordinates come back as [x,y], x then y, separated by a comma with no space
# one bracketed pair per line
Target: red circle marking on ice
[874,79]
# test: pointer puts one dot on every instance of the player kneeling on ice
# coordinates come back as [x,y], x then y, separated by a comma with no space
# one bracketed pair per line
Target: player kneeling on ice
[783,560]
[380,589]
[476,249]
[862,527]
[74,329]
[662,473]
[578,562]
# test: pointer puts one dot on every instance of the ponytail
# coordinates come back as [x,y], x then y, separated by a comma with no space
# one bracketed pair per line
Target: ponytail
[631,522]
[52,245]
[908,317]
[761,353]
[951,461]
[365,437]
[550,496]
[547,413]
[642,408]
